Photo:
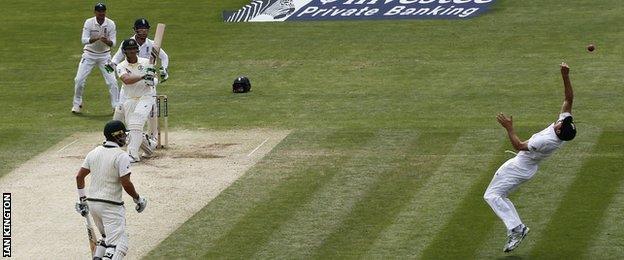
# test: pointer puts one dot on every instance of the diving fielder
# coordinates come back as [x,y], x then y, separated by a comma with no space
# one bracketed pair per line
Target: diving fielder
[98,35]
[109,167]
[523,166]
[146,50]
[137,76]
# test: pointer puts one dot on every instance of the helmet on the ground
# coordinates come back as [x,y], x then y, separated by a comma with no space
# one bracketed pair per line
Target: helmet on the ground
[241,85]
[141,23]
[115,131]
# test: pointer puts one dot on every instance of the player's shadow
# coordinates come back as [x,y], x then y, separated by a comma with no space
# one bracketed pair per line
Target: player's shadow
[510,257]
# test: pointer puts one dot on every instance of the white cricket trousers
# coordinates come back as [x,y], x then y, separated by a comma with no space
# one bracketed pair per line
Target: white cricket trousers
[110,220]
[135,112]
[506,179]
[87,62]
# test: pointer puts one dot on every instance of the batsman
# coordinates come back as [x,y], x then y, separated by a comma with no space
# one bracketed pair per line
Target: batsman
[137,75]
[109,167]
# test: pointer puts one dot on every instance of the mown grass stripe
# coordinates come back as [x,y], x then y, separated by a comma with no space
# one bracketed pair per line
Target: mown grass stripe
[202,231]
[469,223]
[609,243]
[310,225]
[245,238]
[585,203]
[392,190]
[430,206]
[534,200]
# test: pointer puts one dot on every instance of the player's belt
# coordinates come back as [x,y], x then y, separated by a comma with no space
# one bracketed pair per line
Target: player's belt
[106,201]
[96,52]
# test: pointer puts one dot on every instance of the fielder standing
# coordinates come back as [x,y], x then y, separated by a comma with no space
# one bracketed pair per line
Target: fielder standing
[523,166]
[137,76]
[109,167]
[98,35]
[146,50]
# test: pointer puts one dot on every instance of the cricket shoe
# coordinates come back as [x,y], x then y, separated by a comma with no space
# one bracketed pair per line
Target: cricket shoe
[76,109]
[515,237]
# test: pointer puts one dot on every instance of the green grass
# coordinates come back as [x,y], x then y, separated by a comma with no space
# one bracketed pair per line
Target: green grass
[394,138]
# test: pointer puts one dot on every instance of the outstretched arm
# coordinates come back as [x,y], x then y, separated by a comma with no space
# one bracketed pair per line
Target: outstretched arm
[507,123]
[569,94]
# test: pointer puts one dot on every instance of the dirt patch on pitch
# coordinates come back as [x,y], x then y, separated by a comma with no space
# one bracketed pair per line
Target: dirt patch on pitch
[177,181]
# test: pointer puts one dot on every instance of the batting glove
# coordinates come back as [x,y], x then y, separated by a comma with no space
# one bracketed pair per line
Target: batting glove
[164,75]
[81,207]
[141,203]
[110,67]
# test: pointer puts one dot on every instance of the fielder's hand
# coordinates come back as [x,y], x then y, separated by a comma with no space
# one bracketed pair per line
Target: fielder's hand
[164,75]
[141,203]
[81,207]
[565,69]
[506,122]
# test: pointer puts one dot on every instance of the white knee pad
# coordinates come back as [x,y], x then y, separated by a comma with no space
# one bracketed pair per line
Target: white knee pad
[100,249]
[110,253]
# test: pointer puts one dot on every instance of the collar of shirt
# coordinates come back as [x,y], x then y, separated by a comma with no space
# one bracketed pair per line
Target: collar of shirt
[110,143]
[103,24]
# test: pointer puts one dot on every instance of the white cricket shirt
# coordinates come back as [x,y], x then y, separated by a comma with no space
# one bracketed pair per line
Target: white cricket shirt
[541,145]
[92,28]
[107,163]
[139,88]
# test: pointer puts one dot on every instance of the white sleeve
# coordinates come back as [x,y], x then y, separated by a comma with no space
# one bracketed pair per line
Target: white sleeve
[123,164]
[86,34]
[535,144]
[118,57]
[113,34]
[164,59]
[86,164]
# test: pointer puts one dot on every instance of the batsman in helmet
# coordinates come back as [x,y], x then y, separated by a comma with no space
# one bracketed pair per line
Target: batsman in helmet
[138,80]
[146,50]
[110,168]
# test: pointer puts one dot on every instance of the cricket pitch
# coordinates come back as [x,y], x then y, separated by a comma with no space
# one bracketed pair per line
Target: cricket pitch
[177,182]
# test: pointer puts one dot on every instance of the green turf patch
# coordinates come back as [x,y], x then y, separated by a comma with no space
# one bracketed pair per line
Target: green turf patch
[393,189]
[459,237]
[574,224]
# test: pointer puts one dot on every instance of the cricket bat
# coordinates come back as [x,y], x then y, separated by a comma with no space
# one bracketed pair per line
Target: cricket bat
[90,234]
[158,37]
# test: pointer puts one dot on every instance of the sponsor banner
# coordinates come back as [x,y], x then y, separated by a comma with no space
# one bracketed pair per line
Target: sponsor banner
[306,10]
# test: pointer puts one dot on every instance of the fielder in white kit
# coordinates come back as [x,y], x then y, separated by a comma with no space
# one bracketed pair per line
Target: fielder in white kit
[109,167]
[137,75]
[523,166]
[146,50]
[98,35]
